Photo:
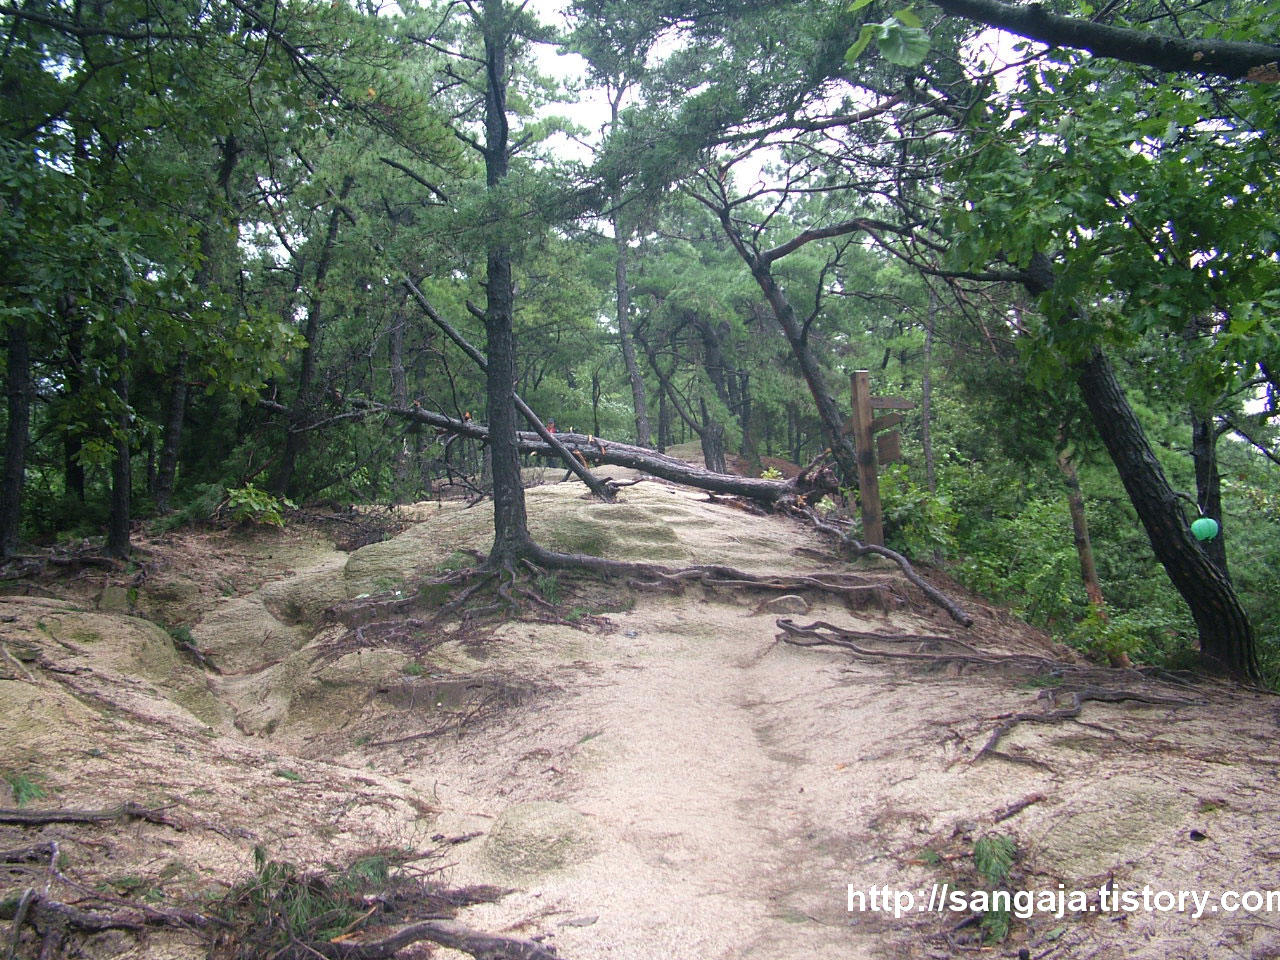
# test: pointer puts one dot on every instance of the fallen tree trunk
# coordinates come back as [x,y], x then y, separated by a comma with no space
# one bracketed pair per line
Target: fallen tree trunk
[595,451]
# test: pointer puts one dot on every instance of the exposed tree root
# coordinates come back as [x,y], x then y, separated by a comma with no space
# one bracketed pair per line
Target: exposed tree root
[52,919]
[859,549]
[655,576]
[1076,702]
[254,918]
[820,634]
[37,851]
[392,618]
[1015,808]
[446,933]
[42,911]
[22,566]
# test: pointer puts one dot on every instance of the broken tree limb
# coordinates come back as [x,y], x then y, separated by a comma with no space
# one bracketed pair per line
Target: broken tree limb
[601,488]
[38,851]
[603,452]
[124,811]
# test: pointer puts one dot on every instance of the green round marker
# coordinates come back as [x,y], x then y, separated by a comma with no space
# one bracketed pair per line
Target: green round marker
[1206,528]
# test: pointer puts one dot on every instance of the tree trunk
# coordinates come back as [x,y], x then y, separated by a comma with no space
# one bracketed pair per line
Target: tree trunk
[1080,531]
[17,434]
[711,433]
[1226,635]
[295,440]
[748,448]
[623,291]
[167,471]
[664,422]
[121,517]
[595,402]
[400,468]
[798,338]
[511,538]
[1204,451]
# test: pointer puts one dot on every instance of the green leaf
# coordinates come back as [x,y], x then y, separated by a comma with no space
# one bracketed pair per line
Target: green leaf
[907,16]
[903,45]
[865,36]
[859,4]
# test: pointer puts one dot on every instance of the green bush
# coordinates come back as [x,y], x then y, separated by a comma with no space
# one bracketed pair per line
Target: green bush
[248,504]
[917,522]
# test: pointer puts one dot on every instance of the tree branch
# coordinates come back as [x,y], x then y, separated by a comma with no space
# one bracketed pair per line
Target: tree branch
[1223,58]
[416,177]
[824,233]
[600,488]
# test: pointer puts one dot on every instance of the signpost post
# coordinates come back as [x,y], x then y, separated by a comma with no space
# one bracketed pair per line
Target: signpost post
[872,450]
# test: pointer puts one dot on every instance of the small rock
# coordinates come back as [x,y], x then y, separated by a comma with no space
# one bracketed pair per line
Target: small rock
[788,603]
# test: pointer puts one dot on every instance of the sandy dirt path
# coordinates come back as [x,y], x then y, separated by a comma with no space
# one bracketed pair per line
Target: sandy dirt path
[711,837]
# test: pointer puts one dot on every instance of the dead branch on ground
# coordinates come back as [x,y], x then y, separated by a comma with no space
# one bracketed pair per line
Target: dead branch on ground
[123,811]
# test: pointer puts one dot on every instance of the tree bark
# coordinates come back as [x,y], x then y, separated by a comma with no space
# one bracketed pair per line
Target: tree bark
[17,434]
[711,434]
[664,422]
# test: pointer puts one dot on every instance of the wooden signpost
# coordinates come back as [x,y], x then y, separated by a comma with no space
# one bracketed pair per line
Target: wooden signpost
[872,450]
